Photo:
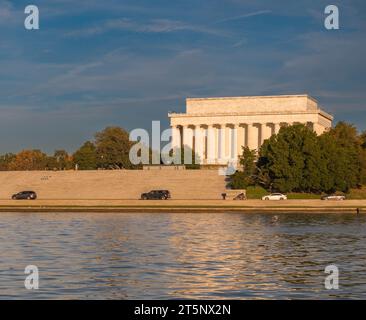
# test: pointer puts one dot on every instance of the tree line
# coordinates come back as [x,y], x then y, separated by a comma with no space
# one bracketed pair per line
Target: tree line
[109,150]
[298,160]
[294,160]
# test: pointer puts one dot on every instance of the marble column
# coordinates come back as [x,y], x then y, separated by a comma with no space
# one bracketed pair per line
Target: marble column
[222,141]
[176,138]
[234,142]
[228,139]
[252,137]
[240,139]
[199,144]
[176,144]
[217,144]
[188,144]
[211,144]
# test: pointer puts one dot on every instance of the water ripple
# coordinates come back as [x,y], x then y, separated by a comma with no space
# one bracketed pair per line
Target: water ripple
[171,256]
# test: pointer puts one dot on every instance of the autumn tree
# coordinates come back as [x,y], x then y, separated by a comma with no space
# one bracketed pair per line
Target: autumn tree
[5,160]
[363,139]
[29,160]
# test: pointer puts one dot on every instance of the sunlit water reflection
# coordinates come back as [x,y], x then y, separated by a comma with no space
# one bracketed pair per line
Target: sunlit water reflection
[166,256]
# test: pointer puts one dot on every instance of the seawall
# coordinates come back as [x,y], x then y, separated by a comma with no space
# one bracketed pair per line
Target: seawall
[113,184]
[184,206]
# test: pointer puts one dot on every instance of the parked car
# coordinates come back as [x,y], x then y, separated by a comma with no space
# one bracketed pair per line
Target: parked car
[333,197]
[156,195]
[240,196]
[25,195]
[275,196]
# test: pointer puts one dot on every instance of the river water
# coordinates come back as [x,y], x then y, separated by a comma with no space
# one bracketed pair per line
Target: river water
[170,256]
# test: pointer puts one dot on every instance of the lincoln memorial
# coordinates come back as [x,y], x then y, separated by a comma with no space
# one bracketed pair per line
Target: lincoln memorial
[216,128]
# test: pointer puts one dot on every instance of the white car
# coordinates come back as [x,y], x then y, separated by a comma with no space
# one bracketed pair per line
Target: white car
[334,197]
[275,196]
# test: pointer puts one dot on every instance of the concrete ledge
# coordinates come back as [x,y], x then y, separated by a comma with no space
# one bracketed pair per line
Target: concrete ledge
[183,206]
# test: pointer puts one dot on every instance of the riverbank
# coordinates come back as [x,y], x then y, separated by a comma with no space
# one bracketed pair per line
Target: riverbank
[184,206]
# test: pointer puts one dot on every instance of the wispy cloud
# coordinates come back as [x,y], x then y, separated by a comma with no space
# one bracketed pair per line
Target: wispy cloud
[244,16]
[96,63]
[240,43]
[151,26]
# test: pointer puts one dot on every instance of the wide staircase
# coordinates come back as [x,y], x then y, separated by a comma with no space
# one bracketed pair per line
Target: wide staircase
[116,184]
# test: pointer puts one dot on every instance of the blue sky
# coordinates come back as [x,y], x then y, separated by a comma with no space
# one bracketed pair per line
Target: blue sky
[98,63]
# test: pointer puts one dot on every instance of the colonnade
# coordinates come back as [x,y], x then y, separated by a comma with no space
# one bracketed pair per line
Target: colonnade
[222,143]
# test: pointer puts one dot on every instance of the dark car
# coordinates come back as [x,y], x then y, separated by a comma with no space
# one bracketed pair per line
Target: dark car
[240,196]
[156,195]
[25,195]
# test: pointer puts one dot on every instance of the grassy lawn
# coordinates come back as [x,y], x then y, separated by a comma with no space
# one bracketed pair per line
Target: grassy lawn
[357,194]
[303,196]
[256,192]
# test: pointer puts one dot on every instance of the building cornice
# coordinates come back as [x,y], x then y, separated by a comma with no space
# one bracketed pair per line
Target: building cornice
[326,115]
[190,115]
[254,97]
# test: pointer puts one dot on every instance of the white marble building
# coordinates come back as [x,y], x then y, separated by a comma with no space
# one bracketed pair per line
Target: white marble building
[217,128]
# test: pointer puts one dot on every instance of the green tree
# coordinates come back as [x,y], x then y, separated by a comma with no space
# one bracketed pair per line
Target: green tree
[63,160]
[363,157]
[247,161]
[314,169]
[242,179]
[363,166]
[349,147]
[192,164]
[297,160]
[86,157]
[113,148]
[59,161]
[239,180]
[282,159]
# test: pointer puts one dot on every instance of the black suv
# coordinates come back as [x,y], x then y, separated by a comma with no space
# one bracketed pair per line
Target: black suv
[25,195]
[156,195]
